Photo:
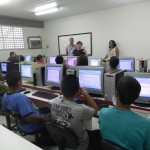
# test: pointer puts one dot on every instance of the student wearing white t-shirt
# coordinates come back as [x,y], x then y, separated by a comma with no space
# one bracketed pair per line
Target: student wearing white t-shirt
[113,50]
[70,114]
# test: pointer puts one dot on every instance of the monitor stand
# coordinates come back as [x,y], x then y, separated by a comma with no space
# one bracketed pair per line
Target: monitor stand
[55,88]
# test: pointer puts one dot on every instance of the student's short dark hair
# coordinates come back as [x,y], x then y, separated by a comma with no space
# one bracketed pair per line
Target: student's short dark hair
[113,62]
[128,89]
[13,77]
[79,42]
[70,86]
[59,60]
[39,57]
[82,60]
[12,53]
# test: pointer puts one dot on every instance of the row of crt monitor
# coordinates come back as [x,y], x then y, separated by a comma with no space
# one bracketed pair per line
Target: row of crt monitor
[125,63]
[90,78]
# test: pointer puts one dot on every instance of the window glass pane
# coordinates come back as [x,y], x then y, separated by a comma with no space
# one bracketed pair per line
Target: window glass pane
[11,37]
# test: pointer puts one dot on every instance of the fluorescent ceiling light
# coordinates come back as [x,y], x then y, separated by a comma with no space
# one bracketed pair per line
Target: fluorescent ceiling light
[45,7]
[46,11]
[4,1]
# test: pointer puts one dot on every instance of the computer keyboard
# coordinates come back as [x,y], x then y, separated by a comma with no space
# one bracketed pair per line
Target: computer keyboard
[45,95]
[142,113]
[21,89]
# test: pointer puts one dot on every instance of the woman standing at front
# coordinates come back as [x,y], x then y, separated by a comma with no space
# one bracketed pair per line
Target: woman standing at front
[113,50]
[79,51]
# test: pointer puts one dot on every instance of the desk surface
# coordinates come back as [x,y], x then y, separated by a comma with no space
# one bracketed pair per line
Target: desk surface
[46,89]
[10,140]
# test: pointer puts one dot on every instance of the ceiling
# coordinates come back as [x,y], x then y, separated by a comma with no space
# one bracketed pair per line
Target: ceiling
[24,8]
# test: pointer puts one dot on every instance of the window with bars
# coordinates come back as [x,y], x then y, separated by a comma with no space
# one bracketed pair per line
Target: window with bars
[11,37]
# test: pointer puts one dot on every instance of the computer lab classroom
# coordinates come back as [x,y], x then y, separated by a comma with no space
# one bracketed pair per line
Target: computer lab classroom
[74,75]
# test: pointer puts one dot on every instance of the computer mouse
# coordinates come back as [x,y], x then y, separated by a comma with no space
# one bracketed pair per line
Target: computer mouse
[26,92]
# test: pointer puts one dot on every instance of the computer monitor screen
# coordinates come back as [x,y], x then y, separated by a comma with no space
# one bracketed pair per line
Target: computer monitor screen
[54,75]
[91,79]
[28,58]
[127,64]
[94,62]
[144,80]
[145,86]
[52,60]
[72,61]
[26,70]
[4,67]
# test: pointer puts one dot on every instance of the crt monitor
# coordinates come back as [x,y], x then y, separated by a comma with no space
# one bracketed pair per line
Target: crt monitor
[127,64]
[72,61]
[95,62]
[8,66]
[51,60]
[4,67]
[54,74]
[91,78]
[27,58]
[144,80]
[28,70]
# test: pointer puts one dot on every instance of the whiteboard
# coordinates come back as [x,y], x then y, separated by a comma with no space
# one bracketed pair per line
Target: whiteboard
[85,38]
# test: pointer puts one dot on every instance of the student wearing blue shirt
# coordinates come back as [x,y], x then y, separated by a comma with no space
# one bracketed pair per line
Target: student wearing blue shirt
[121,125]
[19,102]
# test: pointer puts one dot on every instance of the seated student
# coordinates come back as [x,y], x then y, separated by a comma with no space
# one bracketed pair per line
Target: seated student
[79,51]
[40,60]
[113,63]
[19,102]
[21,58]
[82,60]
[3,87]
[71,114]
[13,57]
[60,60]
[121,125]
[3,90]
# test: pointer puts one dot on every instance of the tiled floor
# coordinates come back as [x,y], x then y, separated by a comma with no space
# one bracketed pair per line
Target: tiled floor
[29,138]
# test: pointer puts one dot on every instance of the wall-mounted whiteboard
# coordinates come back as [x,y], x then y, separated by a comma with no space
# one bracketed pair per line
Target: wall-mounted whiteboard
[85,38]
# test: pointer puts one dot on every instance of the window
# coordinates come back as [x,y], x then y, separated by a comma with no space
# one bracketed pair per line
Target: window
[11,37]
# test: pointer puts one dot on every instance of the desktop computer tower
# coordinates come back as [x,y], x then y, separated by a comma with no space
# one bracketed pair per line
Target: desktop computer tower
[40,76]
[143,65]
[110,83]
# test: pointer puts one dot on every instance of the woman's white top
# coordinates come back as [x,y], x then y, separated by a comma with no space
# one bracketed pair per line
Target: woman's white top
[112,52]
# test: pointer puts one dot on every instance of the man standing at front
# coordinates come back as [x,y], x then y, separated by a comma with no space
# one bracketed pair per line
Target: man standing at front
[70,47]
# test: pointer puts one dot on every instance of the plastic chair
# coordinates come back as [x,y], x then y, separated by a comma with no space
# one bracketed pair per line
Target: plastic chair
[63,136]
[8,116]
[17,117]
[108,145]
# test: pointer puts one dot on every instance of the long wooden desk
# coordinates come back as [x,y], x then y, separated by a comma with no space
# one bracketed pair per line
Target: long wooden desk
[9,140]
[101,100]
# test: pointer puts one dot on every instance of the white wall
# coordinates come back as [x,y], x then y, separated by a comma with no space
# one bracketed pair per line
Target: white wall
[4,54]
[128,26]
